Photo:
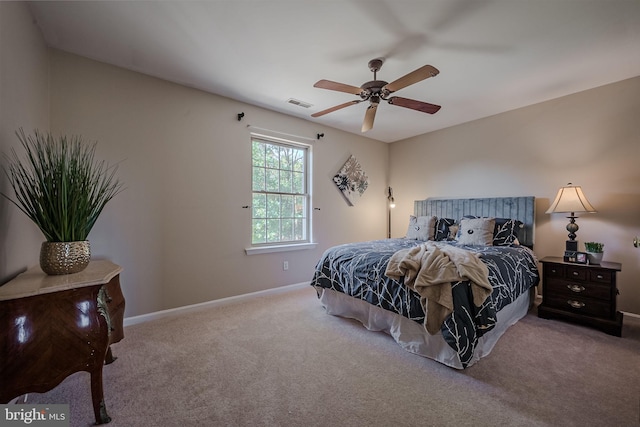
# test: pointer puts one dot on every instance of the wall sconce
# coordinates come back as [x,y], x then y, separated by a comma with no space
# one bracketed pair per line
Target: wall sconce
[571,199]
[391,203]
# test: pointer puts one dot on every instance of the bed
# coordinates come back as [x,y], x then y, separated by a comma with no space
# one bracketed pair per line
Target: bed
[355,280]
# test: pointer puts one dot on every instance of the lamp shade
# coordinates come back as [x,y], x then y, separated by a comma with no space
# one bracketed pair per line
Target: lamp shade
[570,199]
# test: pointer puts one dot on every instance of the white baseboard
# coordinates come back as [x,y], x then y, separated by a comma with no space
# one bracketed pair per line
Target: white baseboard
[128,321]
[626,313]
[238,298]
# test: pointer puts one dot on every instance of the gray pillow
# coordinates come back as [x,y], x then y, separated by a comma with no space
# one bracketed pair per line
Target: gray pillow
[476,231]
[421,227]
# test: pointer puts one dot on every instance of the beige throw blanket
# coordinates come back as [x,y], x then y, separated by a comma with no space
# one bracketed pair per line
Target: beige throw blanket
[429,270]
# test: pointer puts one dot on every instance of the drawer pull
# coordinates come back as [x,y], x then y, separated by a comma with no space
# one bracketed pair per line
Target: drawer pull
[576,288]
[600,276]
[575,273]
[575,304]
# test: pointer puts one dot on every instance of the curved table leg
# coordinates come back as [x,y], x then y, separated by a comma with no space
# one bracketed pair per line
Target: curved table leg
[97,395]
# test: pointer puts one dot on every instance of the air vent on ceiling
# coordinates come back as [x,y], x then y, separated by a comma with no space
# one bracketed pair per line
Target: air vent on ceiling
[299,103]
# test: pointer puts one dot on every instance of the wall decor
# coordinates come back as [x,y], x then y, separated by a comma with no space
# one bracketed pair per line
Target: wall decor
[351,180]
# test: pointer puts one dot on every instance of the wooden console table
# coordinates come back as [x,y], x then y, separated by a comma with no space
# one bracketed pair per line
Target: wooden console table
[54,326]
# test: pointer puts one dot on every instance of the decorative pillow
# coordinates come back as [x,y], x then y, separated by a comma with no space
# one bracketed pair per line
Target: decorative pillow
[443,229]
[476,231]
[506,232]
[421,227]
[453,231]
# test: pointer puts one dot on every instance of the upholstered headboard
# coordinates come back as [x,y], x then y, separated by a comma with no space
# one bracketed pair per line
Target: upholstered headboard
[520,208]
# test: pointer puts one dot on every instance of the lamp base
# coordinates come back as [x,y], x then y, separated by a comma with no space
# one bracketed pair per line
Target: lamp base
[571,245]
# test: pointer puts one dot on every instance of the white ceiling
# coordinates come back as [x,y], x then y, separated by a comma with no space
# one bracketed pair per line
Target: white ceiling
[493,55]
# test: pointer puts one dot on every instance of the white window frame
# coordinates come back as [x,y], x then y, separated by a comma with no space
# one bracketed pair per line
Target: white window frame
[307,243]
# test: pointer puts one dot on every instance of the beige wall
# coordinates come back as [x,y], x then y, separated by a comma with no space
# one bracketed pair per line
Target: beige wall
[24,102]
[591,139]
[179,229]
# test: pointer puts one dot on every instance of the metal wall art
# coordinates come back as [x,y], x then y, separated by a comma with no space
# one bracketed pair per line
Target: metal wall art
[351,180]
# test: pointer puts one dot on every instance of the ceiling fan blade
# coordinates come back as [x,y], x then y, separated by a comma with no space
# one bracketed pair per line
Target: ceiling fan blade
[337,107]
[424,107]
[340,87]
[415,76]
[369,117]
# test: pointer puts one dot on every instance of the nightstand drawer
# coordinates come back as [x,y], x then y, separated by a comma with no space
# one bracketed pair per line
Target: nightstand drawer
[578,289]
[584,306]
[601,276]
[576,273]
[554,270]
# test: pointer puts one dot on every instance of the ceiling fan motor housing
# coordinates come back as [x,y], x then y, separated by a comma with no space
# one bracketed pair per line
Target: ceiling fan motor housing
[374,87]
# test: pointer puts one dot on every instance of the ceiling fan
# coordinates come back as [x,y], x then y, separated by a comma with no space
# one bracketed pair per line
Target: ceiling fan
[377,90]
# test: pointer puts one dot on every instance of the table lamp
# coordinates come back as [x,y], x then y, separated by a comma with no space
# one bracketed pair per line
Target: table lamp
[571,199]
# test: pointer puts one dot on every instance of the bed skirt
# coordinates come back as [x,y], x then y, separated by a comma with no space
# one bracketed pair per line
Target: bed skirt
[411,335]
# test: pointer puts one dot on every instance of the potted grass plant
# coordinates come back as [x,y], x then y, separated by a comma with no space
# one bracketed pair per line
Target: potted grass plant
[60,186]
[595,252]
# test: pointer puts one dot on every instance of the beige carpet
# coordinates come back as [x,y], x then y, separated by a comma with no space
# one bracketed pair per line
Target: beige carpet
[282,361]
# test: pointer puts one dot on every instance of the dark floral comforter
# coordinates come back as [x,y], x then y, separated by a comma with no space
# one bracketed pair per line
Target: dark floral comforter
[357,269]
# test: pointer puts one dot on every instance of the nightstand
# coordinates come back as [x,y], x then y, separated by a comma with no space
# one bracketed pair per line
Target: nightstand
[584,294]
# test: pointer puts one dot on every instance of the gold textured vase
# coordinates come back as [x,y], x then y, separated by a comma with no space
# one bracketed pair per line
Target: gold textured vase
[64,257]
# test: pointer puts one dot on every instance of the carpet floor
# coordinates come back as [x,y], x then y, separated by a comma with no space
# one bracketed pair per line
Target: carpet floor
[280,360]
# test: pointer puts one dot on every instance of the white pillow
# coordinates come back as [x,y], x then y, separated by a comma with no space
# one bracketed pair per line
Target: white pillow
[476,231]
[421,227]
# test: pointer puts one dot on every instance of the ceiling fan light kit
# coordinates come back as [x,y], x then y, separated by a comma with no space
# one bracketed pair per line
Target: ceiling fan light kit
[376,90]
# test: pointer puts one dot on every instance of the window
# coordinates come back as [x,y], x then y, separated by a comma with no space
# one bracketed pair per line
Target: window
[280,200]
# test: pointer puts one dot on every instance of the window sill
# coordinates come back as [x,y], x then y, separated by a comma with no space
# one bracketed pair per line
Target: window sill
[279,248]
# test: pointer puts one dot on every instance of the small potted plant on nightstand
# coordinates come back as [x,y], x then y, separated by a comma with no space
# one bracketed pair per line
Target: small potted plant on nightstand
[595,251]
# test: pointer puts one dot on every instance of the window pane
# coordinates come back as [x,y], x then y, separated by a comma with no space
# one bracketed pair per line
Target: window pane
[297,184]
[258,153]
[258,179]
[287,230]
[300,206]
[285,182]
[299,232]
[259,231]
[273,156]
[287,206]
[286,158]
[273,206]
[273,230]
[259,205]
[273,180]
[298,161]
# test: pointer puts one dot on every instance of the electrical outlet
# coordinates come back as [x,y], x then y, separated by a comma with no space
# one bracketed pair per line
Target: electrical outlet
[285,265]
